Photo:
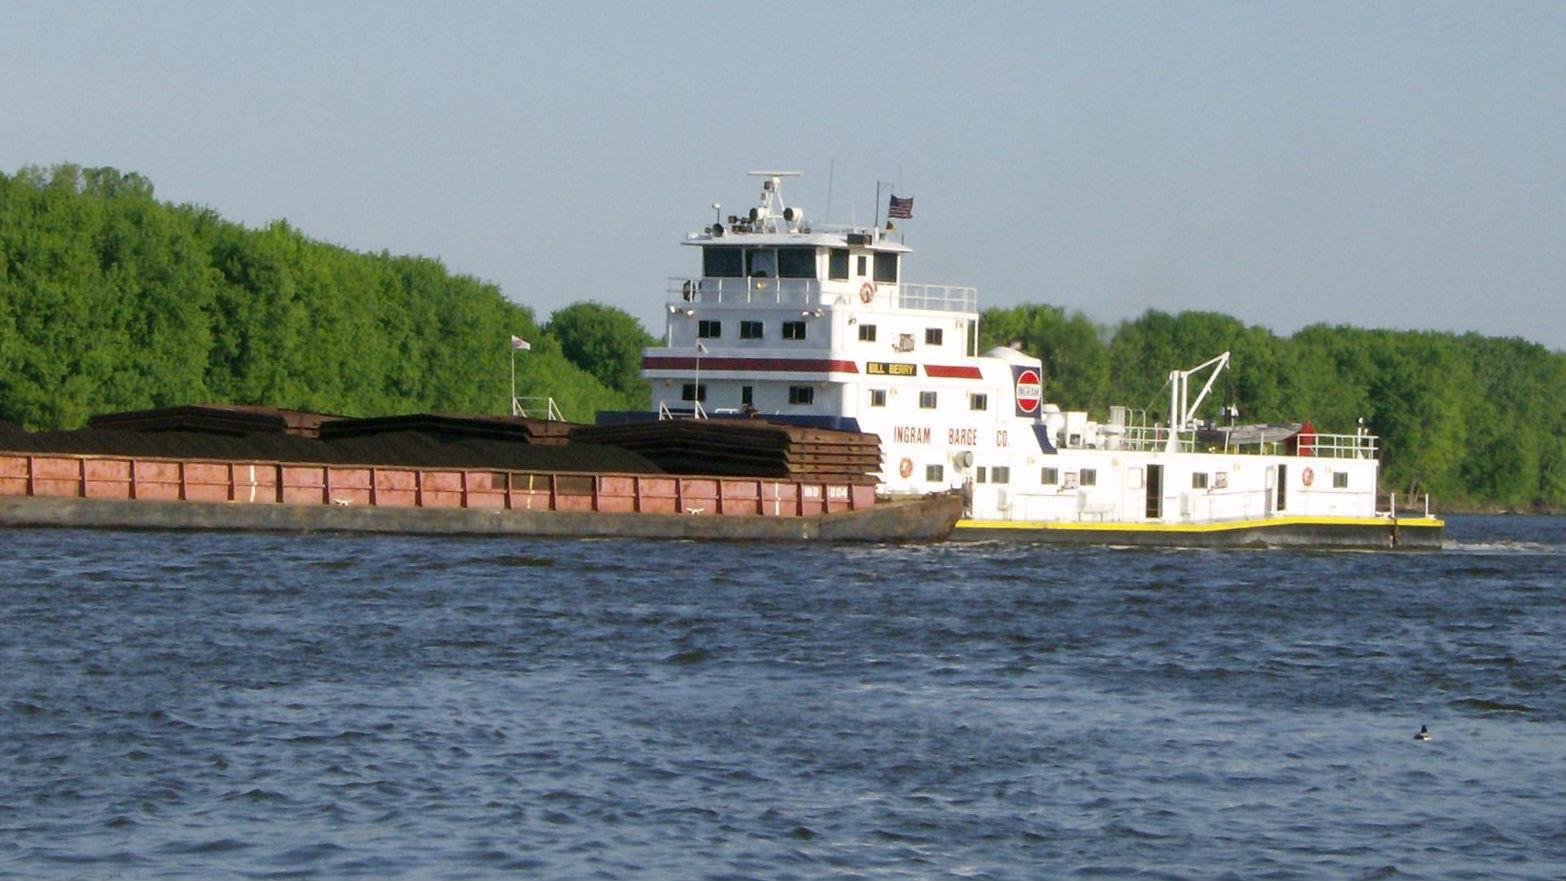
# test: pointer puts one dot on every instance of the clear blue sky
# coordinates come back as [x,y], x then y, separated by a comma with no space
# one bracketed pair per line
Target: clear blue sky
[1391,165]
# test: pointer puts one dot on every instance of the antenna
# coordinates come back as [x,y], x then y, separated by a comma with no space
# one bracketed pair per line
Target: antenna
[831,171]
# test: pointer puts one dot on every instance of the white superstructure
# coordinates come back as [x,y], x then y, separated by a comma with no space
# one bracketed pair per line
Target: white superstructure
[788,319]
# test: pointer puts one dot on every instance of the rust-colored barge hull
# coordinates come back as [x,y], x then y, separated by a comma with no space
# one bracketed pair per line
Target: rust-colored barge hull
[130,492]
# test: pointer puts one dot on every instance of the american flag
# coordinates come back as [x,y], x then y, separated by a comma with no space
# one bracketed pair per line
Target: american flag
[902,209]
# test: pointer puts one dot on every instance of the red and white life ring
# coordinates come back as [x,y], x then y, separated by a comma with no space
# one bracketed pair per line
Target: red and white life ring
[1308,477]
[905,468]
[867,293]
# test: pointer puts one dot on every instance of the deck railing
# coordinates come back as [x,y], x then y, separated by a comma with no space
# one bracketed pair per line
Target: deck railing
[684,291]
[1324,446]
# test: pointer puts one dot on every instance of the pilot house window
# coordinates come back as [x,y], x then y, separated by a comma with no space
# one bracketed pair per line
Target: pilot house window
[885,266]
[796,263]
[709,330]
[837,264]
[761,263]
[750,330]
[721,262]
[793,330]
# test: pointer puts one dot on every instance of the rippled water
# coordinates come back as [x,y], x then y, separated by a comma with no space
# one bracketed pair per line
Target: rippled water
[330,706]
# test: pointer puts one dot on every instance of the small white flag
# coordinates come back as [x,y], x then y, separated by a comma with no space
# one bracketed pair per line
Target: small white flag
[520,343]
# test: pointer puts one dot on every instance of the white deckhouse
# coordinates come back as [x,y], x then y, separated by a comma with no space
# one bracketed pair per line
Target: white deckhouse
[795,321]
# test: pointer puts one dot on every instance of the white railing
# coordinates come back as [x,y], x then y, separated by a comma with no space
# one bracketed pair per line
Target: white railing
[665,413]
[1156,437]
[1341,446]
[1323,446]
[521,407]
[744,291]
[748,291]
[938,297]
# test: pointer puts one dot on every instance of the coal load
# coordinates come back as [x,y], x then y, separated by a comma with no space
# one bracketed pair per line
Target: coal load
[226,419]
[505,428]
[745,448]
[407,446]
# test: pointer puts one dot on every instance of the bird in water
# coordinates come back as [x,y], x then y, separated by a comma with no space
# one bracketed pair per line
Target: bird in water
[1424,733]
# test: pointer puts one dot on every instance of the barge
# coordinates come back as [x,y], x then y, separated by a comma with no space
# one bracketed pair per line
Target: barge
[801,322]
[128,490]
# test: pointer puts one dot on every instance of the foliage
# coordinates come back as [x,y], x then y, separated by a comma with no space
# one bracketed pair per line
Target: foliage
[606,342]
[110,300]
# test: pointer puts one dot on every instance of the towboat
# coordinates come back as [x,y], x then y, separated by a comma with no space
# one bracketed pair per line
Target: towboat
[815,324]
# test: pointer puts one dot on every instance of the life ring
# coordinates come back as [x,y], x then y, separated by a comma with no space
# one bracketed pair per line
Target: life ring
[905,468]
[1308,477]
[866,294]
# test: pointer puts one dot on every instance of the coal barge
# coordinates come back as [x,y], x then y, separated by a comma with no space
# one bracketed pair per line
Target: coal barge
[249,468]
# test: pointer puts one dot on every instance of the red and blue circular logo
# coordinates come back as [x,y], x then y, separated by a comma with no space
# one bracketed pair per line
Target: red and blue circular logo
[1030,391]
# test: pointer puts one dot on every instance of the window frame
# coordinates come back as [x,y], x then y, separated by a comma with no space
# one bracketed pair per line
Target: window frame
[929,400]
[801,395]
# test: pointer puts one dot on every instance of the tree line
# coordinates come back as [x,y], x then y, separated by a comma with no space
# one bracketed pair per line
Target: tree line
[111,300]
[1470,419]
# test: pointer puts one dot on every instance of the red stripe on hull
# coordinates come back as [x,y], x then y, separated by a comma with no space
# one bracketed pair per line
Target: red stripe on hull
[757,365]
[942,372]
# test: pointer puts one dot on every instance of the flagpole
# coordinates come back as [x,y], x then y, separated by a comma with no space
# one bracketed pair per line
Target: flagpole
[513,380]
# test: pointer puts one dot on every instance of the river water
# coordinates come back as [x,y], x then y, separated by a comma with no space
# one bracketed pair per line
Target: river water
[253,706]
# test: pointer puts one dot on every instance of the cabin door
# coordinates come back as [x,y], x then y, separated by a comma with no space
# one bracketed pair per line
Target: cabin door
[1155,492]
[1283,487]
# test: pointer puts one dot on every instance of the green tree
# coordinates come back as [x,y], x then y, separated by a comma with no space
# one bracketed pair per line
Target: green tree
[605,342]
[1076,361]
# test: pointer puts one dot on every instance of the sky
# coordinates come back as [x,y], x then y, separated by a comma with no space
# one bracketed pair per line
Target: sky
[1397,165]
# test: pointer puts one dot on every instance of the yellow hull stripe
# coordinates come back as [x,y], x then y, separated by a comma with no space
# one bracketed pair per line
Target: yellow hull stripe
[1227,526]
